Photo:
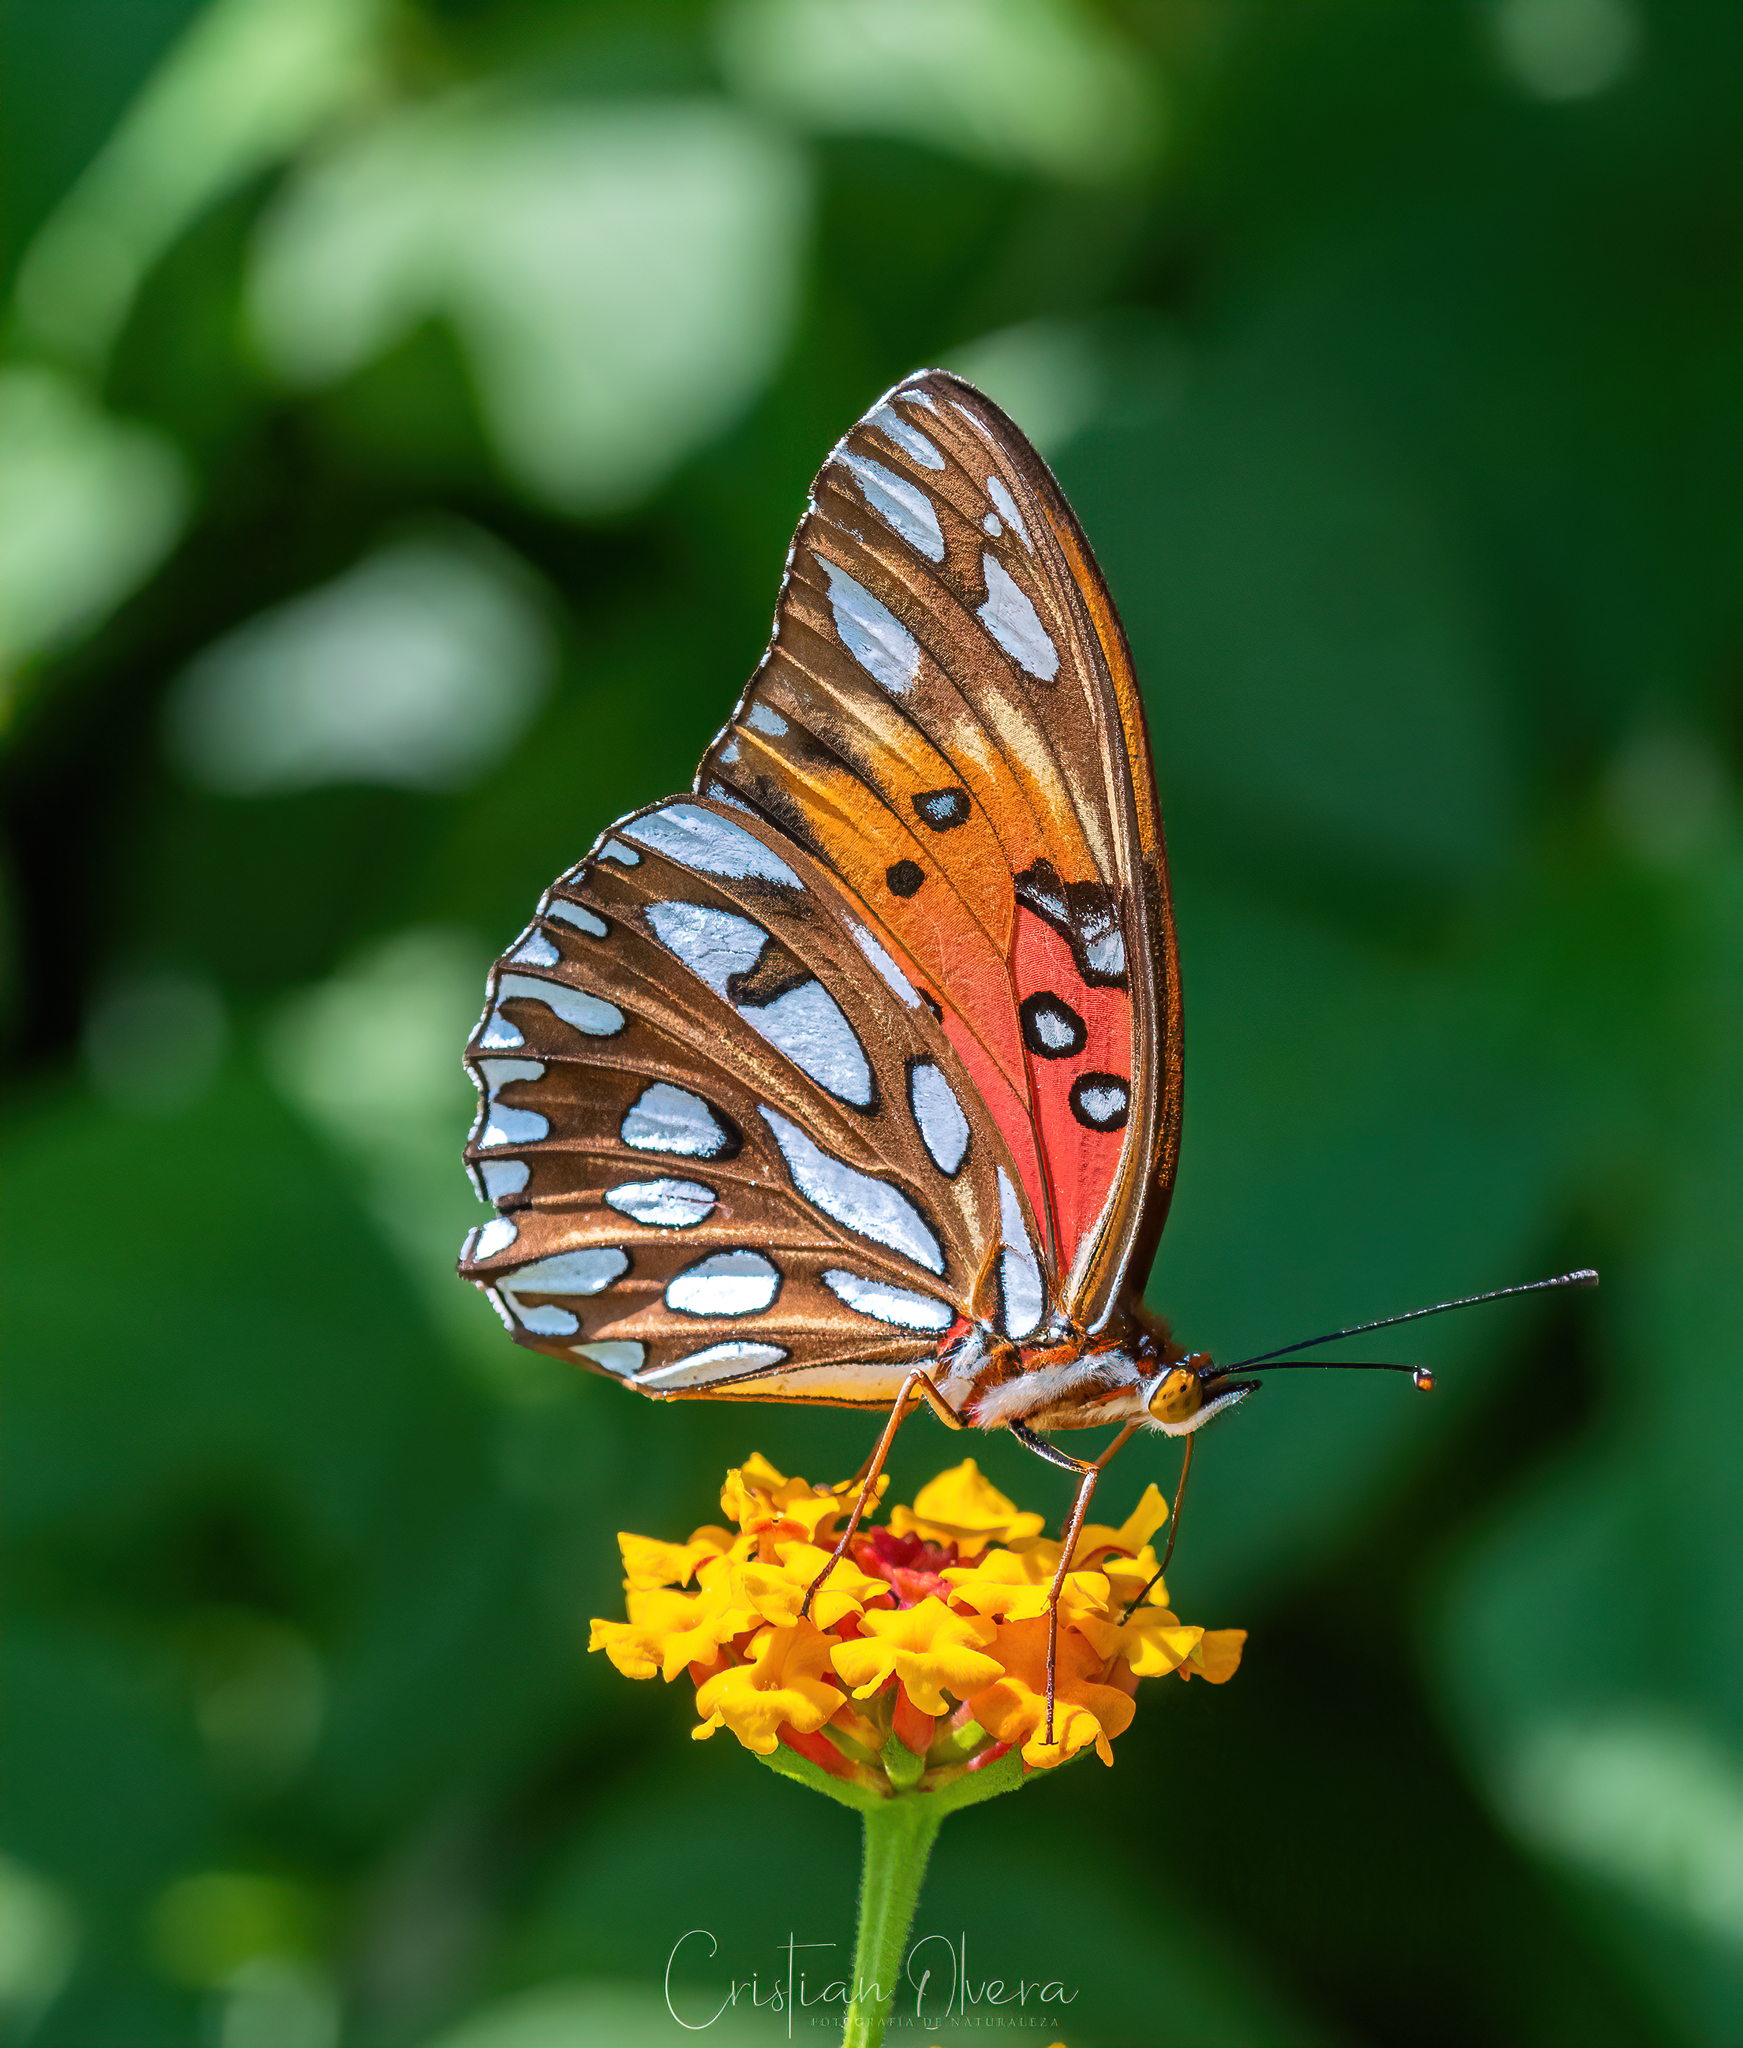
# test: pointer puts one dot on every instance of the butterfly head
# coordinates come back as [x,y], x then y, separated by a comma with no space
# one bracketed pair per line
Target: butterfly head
[1188,1393]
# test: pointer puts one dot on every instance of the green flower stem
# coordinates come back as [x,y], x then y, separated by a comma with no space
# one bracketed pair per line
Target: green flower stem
[899,1833]
[900,1828]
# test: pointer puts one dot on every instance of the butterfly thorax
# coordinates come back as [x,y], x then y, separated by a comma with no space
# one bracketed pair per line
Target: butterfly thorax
[1064,1378]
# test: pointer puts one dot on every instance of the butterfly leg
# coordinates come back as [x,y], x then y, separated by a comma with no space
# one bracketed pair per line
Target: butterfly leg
[917,1383]
[1087,1475]
[1173,1525]
[874,1458]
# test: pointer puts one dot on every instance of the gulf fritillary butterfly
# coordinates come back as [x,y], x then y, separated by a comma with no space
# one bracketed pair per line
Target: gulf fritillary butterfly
[855,1076]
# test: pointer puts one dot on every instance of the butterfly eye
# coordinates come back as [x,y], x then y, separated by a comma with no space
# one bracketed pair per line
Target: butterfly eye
[1178,1398]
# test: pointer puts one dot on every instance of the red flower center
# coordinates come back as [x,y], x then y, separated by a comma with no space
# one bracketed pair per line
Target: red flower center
[911,1564]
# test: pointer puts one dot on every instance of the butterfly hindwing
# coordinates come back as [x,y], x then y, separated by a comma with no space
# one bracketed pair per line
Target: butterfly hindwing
[731,1147]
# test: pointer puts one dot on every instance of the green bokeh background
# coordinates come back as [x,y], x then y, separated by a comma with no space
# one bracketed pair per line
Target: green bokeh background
[1390,354]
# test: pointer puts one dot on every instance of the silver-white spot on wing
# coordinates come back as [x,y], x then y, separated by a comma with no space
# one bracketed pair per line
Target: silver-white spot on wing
[503,1125]
[1098,932]
[1104,1103]
[806,1023]
[591,1015]
[499,1073]
[579,1272]
[535,950]
[506,1126]
[1019,1269]
[586,1271]
[1057,1032]
[893,977]
[504,1177]
[572,913]
[1012,621]
[992,525]
[614,849]
[808,1026]
[709,845]
[620,1358]
[765,719]
[873,635]
[909,439]
[736,1283]
[995,489]
[942,1123]
[665,1204]
[499,1032]
[495,1236]
[668,1119]
[871,1207]
[901,505]
[887,1304]
[719,1362]
[714,944]
[1107,954]
[545,1319]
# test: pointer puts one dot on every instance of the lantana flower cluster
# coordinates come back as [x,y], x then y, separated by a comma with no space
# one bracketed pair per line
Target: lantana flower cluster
[924,1655]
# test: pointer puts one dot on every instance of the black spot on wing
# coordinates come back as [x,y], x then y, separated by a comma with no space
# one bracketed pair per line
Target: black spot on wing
[1086,915]
[1052,1029]
[943,809]
[1100,1102]
[905,877]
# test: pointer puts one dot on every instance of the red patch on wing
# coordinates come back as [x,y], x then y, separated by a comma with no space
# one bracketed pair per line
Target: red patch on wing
[974,1006]
[1076,1035]
[1009,1111]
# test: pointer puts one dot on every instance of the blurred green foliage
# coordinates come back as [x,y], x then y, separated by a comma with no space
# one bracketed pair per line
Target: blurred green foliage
[404,411]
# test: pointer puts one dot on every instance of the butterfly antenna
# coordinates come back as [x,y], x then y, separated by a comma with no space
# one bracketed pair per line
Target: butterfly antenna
[1585,1277]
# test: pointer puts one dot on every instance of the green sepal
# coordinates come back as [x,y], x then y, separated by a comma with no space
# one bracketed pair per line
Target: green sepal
[903,1768]
[1007,1775]
[803,1771]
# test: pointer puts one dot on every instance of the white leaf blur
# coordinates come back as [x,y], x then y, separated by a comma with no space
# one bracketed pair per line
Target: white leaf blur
[246,83]
[622,278]
[1647,1800]
[1036,85]
[89,505]
[1566,49]
[417,669]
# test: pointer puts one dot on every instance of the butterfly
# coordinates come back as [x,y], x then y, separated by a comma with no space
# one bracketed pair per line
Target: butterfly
[854,1076]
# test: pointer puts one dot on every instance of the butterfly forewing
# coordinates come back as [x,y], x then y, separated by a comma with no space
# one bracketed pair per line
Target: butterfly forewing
[876,1036]
[947,718]
[732,1148]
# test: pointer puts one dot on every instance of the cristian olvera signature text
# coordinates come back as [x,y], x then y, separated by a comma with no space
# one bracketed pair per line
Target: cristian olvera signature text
[936,1986]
